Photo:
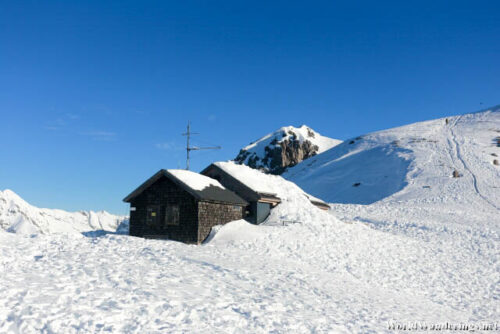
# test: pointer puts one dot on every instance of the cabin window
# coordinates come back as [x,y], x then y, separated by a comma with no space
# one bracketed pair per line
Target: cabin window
[172,214]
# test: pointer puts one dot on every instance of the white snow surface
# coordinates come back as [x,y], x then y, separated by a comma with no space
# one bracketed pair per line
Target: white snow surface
[194,180]
[417,254]
[17,216]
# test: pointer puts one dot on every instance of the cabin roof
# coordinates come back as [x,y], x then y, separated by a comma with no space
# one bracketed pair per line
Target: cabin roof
[249,179]
[256,182]
[199,186]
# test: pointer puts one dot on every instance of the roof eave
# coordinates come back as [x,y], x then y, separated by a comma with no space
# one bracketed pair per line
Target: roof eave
[182,185]
[321,205]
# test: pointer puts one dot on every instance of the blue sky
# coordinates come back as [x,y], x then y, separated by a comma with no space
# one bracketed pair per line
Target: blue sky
[95,94]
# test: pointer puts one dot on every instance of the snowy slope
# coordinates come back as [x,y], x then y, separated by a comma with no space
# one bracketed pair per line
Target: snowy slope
[18,216]
[411,163]
[284,147]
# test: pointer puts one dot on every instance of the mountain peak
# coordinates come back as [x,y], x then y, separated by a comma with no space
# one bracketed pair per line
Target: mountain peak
[283,148]
[8,195]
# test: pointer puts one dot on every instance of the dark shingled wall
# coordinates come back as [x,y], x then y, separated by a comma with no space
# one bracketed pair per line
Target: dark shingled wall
[211,214]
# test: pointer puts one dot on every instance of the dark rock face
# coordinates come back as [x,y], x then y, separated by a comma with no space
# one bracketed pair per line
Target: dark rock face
[279,155]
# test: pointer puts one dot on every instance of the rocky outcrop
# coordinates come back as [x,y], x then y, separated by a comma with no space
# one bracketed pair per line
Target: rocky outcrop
[284,148]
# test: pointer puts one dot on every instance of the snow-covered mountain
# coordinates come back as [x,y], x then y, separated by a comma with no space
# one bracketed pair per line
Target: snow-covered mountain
[284,148]
[16,215]
[414,163]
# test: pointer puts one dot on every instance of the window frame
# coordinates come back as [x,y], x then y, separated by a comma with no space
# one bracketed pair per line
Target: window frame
[171,215]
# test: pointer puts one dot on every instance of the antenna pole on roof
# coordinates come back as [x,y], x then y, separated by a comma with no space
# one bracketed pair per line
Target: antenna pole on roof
[189,148]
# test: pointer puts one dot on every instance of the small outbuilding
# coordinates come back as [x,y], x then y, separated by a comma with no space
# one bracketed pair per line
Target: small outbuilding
[252,186]
[181,205]
[260,201]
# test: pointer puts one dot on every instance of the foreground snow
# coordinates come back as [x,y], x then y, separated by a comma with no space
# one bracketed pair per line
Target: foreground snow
[325,276]
[420,254]
[317,274]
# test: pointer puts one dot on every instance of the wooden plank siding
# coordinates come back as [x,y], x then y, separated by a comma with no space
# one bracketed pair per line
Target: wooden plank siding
[211,214]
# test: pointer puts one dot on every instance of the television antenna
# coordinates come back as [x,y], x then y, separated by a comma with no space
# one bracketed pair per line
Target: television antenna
[189,148]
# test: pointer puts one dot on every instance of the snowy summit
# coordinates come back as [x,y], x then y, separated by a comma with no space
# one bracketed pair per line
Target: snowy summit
[284,148]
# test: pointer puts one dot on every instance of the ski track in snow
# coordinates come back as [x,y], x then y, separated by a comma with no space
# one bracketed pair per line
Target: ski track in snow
[464,164]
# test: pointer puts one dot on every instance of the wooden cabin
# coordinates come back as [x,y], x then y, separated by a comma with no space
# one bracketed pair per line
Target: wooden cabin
[181,205]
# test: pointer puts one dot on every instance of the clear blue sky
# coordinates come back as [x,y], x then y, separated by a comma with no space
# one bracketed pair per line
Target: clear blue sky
[94,94]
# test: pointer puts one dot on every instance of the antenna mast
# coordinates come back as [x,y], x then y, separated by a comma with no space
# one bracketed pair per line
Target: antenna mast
[189,148]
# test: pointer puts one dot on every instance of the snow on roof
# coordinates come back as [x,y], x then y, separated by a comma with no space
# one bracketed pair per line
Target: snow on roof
[199,186]
[252,178]
[263,183]
[194,180]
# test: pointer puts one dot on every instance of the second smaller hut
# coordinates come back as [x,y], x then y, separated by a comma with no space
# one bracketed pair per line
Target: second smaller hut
[253,187]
